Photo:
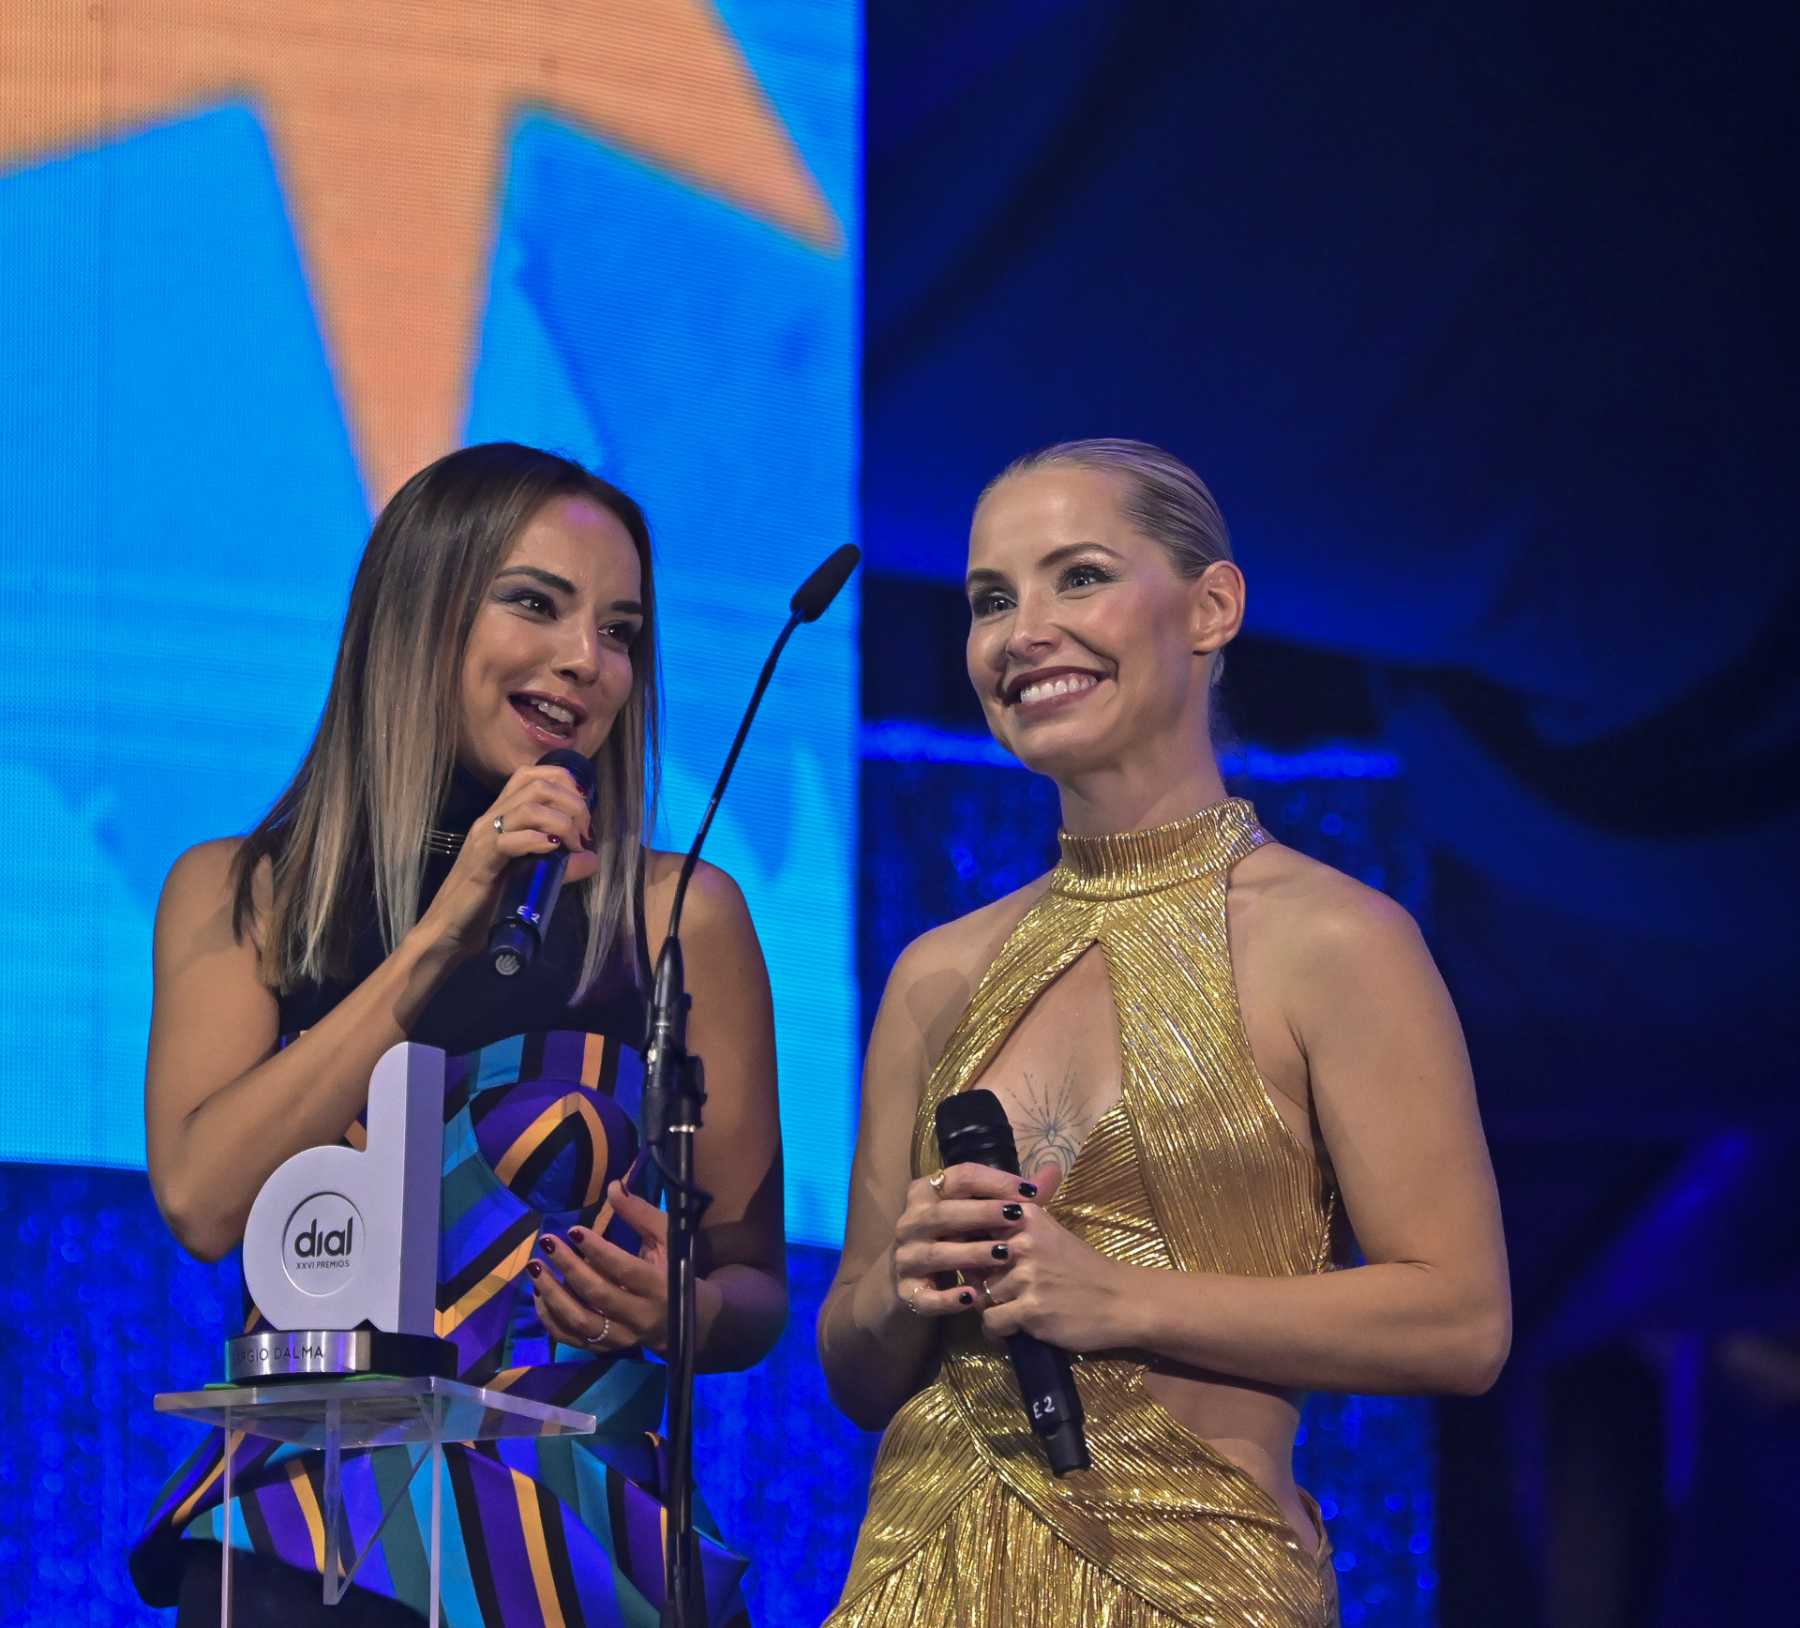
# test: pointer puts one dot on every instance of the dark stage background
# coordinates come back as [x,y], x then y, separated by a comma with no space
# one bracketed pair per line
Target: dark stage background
[1478,321]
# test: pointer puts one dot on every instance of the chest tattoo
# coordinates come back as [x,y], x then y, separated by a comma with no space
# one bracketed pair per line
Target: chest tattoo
[1052,1122]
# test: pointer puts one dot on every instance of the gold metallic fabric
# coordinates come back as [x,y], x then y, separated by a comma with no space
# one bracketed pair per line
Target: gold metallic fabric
[1194,1170]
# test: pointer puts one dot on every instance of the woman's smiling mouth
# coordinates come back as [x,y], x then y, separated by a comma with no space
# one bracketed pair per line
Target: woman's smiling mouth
[548,717]
[1036,692]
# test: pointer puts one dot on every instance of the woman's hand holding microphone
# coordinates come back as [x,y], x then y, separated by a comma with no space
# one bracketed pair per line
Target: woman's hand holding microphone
[539,810]
[1017,1264]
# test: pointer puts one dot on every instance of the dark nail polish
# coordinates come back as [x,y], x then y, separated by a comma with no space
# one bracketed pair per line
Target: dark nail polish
[1000,1252]
[535,1268]
[1013,1212]
[966,1298]
[555,840]
[577,1235]
[549,1246]
[1028,1188]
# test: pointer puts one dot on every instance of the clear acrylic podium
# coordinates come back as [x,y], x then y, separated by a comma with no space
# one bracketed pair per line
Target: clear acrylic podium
[334,1414]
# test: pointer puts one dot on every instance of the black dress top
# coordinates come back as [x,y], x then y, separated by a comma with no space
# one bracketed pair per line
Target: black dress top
[475,1006]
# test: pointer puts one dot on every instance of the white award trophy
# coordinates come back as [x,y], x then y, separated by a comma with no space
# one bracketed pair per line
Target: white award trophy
[340,1254]
[341,1249]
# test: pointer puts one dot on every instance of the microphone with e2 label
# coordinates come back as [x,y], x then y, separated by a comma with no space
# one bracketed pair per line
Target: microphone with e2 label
[972,1128]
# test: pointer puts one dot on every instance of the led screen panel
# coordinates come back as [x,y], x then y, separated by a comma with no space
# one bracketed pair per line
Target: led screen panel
[259,263]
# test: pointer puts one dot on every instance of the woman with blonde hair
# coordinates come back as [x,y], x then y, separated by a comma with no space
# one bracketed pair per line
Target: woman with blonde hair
[1216,1056]
[503,609]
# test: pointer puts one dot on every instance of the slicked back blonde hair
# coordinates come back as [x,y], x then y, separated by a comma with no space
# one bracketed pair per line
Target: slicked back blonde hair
[1165,499]
[349,829]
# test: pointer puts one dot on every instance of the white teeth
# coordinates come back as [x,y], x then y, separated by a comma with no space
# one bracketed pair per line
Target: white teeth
[554,713]
[1045,689]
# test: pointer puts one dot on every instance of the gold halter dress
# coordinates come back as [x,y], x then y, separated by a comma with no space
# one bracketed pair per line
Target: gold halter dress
[1194,1171]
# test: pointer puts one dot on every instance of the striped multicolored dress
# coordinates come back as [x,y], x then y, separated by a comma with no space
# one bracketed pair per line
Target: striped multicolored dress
[562,1530]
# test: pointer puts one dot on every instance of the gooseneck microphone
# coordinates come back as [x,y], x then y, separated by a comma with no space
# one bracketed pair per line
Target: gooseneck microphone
[808,604]
[667,1023]
[674,1095]
[533,884]
[972,1128]
[814,596]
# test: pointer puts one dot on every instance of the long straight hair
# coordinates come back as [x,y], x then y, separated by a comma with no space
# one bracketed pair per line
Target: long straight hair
[351,824]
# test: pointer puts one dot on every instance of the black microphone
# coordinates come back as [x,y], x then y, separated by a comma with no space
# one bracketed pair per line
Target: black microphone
[534,883]
[818,591]
[972,1128]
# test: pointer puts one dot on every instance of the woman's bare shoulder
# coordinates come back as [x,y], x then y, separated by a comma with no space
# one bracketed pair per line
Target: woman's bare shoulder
[711,886]
[714,911]
[935,976]
[197,918]
[1314,911]
[205,864]
[968,943]
[203,880]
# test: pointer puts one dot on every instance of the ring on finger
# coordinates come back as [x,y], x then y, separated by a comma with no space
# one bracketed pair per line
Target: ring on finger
[499,825]
[912,1300]
[936,1183]
[599,1340]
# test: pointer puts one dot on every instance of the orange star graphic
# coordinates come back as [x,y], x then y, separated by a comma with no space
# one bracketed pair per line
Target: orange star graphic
[387,119]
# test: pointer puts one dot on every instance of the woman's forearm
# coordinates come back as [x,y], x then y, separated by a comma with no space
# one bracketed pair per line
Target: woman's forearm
[305,1095]
[875,1352]
[1397,1327]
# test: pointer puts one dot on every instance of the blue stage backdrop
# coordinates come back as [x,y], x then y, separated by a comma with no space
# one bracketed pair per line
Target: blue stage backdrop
[256,266]
[193,419]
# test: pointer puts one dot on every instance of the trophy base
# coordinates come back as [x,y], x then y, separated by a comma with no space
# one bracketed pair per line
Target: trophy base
[322,1353]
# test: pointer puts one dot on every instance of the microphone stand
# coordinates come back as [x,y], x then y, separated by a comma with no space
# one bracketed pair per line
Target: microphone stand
[674,1097]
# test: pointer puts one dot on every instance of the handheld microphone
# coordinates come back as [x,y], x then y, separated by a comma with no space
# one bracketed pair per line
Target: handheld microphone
[972,1128]
[534,883]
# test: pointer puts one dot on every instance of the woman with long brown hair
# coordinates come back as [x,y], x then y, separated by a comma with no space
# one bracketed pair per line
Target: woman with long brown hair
[1214,1053]
[504,608]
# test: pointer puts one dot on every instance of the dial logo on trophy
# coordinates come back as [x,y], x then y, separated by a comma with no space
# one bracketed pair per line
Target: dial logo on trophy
[340,1251]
